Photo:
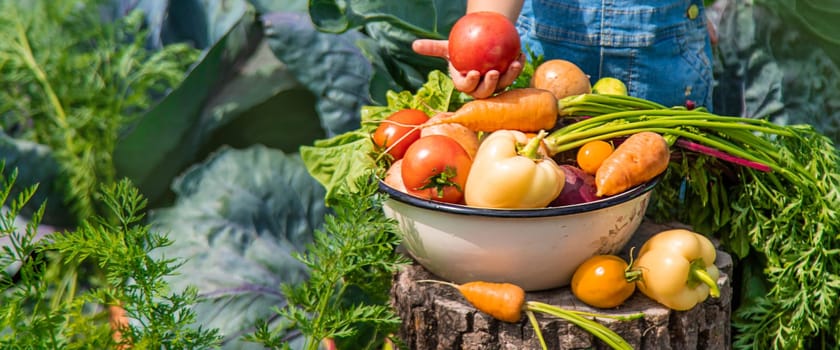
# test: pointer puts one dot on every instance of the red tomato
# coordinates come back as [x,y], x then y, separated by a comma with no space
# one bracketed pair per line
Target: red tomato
[483,41]
[398,131]
[436,167]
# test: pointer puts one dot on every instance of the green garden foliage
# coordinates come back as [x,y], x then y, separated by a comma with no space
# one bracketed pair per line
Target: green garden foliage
[153,157]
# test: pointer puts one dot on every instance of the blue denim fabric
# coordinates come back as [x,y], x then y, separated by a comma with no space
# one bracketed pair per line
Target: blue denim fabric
[656,48]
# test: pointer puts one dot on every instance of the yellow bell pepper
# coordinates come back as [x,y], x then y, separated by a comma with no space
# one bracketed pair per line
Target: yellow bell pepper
[503,176]
[678,269]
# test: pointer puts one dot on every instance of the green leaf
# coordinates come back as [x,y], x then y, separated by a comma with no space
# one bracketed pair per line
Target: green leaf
[268,6]
[165,140]
[420,17]
[238,219]
[21,276]
[381,81]
[407,68]
[437,95]
[239,94]
[780,59]
[200,23]
[352,261]
[330,66]
[339,161]
[391,27]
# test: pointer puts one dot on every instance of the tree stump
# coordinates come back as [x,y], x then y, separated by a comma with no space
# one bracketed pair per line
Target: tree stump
[438,317]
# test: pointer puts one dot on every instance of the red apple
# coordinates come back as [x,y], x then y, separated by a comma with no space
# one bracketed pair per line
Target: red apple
[483,41]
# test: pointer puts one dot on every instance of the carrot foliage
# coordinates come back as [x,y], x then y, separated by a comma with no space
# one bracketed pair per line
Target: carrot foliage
[39,311]
[72,82]
[351,258]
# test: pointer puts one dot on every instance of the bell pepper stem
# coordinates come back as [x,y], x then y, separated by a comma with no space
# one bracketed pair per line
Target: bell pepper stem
[631,273]
[700,274]
[530,150]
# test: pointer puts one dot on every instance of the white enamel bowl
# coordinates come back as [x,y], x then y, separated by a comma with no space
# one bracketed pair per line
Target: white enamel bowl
[536,249]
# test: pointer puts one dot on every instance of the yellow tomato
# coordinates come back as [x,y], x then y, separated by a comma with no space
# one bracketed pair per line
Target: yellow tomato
[592,154]
[603,281]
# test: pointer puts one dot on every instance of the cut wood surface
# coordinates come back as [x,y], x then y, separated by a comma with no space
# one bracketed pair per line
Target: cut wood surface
[437,317]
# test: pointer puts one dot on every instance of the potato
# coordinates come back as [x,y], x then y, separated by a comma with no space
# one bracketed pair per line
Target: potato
[467,138]
[393,177]
[562,78]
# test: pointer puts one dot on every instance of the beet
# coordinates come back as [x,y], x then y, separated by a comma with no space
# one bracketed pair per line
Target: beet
[579,188]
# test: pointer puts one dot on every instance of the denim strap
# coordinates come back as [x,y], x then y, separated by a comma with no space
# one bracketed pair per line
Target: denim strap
[615,23]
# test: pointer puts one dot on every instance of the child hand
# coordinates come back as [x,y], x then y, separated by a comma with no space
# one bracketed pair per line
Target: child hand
[471,82]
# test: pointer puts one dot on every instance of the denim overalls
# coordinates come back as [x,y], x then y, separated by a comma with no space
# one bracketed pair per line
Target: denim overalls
[660,49]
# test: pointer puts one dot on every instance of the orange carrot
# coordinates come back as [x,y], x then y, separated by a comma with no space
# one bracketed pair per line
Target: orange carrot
[503,301]
[118,321]
[638,159]
[525,109]
[329,344]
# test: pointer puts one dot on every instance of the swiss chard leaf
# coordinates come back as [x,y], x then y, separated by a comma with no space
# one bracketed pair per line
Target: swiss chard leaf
[238,218]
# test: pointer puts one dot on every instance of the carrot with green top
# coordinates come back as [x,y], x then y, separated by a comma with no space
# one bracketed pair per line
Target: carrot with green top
[638,159]
[506,302]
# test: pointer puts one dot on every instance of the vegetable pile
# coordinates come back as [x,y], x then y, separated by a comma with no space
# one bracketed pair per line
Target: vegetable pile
[767,192]
[500,143]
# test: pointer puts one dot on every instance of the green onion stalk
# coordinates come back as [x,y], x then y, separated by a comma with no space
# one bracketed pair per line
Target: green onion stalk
[734,139]
[579,318]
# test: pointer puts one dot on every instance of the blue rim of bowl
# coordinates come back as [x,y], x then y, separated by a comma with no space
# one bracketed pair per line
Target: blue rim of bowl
[520,213]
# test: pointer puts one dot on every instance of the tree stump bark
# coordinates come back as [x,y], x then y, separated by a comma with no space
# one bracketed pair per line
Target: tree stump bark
[438,317]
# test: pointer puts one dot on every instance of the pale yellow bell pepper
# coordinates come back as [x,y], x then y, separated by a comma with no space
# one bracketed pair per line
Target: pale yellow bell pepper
[678,269]
[508,172]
